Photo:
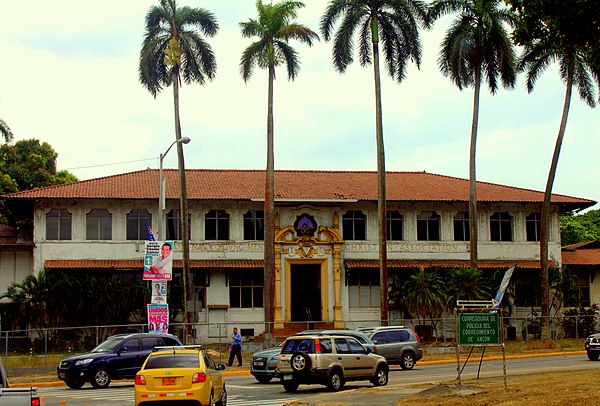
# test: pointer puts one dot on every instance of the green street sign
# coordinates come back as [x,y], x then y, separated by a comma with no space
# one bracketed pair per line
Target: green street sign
[478,329]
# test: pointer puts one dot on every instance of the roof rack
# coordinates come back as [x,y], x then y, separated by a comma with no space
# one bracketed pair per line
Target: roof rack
[178,347]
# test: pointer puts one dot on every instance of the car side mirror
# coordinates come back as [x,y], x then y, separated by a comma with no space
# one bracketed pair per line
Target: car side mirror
[375,341]
[369,350]
[121,350]
[220,367]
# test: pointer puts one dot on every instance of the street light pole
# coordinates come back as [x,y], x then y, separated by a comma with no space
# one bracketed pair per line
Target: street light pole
[161,186]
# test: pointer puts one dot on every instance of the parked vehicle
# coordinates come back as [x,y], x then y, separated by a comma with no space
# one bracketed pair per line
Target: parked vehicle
[329,360]
[264,364]
[398,344]
[360,336]
[120,356]
[592,346]
[181,374]
[16,396]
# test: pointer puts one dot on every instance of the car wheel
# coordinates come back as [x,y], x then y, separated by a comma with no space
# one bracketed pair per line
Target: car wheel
[223,401]
[335,382]
[407,361]
[381,377]
[593,355]
[74,384]
[290,386]
[300,362]
[101,378]
[264,379]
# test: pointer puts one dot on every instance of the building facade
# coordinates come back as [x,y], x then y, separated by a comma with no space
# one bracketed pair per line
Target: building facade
[326,249]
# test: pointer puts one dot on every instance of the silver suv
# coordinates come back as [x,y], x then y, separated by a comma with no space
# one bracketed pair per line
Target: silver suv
[328,360]
[398,344]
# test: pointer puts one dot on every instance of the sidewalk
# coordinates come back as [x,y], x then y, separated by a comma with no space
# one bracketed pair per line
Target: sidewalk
[46,376]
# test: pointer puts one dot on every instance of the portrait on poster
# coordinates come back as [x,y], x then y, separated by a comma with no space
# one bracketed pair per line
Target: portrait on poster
[158,261]
[159,291]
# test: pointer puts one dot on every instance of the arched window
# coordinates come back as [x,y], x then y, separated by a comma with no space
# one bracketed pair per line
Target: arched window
[501,227]
[395,226]
[428,226]
[98,225]
[216,225]
[354,225]
[462,230]
[532,225]
[174,225]
[58,225]
[138,221]
[254,225]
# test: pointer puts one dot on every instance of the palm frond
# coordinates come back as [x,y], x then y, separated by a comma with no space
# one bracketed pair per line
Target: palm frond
[5,131]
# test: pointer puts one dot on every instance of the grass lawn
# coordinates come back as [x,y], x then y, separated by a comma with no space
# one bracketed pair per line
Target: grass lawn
[555,388]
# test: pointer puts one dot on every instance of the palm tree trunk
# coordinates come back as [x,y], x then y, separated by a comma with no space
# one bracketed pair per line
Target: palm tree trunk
[183,203]
[381,195]
[269,251]
[473,237]
[545,221]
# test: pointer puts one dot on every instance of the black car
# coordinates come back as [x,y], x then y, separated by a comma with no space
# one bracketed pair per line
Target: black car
[592,346]
[119,357]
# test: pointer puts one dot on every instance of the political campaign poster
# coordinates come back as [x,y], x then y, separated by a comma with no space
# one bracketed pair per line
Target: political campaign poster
[159,292]
[158,261]
[158,318]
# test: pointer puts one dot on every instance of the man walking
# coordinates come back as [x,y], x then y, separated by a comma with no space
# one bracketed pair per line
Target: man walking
[236,348]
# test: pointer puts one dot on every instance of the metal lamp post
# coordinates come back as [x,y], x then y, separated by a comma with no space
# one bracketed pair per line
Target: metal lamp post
[161,184]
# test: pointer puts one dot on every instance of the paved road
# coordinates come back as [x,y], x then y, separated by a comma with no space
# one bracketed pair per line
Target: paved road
[244,390]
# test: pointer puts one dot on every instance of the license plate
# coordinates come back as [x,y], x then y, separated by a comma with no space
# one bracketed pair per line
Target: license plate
[287,377]
[61,375]
[258,363]
[169,381]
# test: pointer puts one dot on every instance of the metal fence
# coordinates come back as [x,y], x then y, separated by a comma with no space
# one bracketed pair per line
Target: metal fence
[42,343]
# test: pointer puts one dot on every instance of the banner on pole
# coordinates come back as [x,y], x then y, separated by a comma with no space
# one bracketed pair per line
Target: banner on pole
[158,318]
[158,261]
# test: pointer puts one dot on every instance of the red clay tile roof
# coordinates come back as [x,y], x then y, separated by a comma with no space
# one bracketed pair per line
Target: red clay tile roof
[204,184]
[139,263]
[581,257]
[584,253]
[444,263]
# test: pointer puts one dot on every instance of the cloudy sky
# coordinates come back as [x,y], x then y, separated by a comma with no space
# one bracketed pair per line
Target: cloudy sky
[69,77]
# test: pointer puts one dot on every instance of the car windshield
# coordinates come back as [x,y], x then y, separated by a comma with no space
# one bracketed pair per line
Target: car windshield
[173,360]
[108,345]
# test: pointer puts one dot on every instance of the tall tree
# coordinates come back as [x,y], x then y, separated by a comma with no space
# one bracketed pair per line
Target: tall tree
[173,47]
[5,131]
[396,22]
[552,31]
[274,28]
[476,47]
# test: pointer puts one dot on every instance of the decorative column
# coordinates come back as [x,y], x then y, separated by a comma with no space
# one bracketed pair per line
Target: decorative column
[278,315]
[338,321]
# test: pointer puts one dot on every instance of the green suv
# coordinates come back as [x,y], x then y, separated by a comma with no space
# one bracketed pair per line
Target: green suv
[328,360]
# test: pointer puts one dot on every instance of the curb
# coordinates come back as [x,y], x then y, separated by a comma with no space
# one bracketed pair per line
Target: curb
[246,371]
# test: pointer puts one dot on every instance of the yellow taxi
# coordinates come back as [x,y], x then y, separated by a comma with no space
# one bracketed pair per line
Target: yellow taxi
[187,374]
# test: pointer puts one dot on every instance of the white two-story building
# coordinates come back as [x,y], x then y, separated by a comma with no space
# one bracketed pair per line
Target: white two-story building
[326,249]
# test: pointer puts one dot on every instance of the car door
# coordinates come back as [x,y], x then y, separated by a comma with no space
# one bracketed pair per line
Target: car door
[381,342]
[126,363]
[345,358]
[213,375]
[395,344]
[364,365]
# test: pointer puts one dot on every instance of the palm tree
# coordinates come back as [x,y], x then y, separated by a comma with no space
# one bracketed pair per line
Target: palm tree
[425,297]
[396,21]
[5,131]
[174,47]
[465,284]
[274,27]
[476,46]
[577,68]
